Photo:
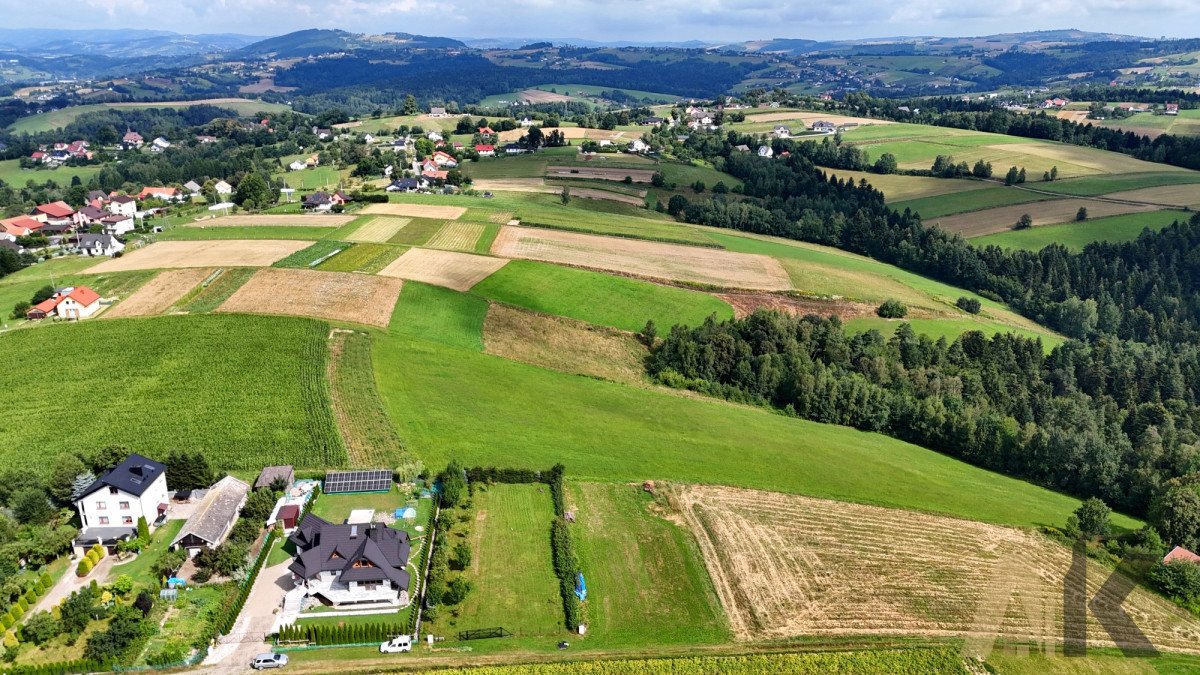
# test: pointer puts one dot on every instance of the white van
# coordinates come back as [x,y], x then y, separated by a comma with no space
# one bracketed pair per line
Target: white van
[400,643]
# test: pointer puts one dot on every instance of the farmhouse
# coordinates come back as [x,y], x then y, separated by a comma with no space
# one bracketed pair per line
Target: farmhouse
[110,507]
[485,150]
[214,517]
[20,226]
[54,212]
[351,564]
[1172,109]
[437,112]
[131,140]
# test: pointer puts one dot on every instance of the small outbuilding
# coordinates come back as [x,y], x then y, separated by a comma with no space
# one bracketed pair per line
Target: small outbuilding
[289,514]
[214,517]
[270,474]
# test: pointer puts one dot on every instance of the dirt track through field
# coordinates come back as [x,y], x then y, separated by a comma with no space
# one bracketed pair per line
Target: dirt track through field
[456,236]
[217,253]
[378,230]
[458,271]
[159,294]
[600,173]
[340,296]
[673,262]
[417,210]
[786,565]
[287,219]
[1002,219]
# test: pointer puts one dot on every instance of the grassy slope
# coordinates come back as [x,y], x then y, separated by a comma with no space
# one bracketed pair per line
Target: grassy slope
[12,173]
[598,298]
[448,401]
[962,202]
[59,118]
[1075,236]
[1091,186]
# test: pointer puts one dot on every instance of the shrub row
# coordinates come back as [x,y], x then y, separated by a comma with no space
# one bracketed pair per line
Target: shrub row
[492,474]
[341,635]
[566,567]
[90,560]
[11,616]
[60,668]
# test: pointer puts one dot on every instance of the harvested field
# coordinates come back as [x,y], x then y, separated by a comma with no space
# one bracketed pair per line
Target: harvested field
[378,230]
[457,236]
[991,221]
[210,253]
[809,117]
[458,271]
[539,96]
[514,185]
[563,344]
[599,173]
[1170,195]
[359,298]
[644,258]
[288,219]
[786,565]
[416,210]
[745,304]
[539,185]
[160,293]
[574,133]
[594,193]
[1100,161]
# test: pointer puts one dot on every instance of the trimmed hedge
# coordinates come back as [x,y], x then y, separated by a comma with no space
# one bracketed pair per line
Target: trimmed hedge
[341,635]
[62,668]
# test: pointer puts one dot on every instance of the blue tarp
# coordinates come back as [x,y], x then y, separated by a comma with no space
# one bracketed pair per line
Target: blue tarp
[580,587]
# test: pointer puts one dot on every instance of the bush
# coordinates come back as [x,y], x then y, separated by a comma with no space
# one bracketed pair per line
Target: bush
[84,567]
[892,309]
[1179,580]
[456,591]
[1024,222]
[969,305]
[462,555]
[40,628]
[123,584]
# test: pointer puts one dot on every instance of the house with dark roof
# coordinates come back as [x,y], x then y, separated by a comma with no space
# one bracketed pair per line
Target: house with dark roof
[214,517]
[408,184]
[270,474]
[110,507]
[101,244]
[351,564]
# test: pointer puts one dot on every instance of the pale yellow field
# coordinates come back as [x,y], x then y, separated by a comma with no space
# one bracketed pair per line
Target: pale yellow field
[575,133]
[456,236]
[416,210]
[1174,195]
[340,296]
[157,295]
[713,267]
[458,271]
[786,565]
[267,220]
[217,253]
[378,230]
[809,117]
[991,221]
[897,188]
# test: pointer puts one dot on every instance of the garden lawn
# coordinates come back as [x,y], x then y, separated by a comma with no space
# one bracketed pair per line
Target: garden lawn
[598,298]
[450,402]
[1076,235]
[511,571]
[140,567]
[336,508]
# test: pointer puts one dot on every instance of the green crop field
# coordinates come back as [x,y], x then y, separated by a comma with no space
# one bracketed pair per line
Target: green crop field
[12,173]
[218,290]
[247,391]
[60,118]
[417,232]
[305,257]
[511,574]
[1075,236]
[898,188]
[192,233]
[1091,186]
[937,206]
[454,402]
[441,315]
[598,298]
[949,328]
[362,257]
[644,574]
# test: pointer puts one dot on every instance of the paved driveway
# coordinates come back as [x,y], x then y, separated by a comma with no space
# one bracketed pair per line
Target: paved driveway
[245,641]
[69,583]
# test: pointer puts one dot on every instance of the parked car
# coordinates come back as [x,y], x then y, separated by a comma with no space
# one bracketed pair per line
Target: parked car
[269,660]
[400,643]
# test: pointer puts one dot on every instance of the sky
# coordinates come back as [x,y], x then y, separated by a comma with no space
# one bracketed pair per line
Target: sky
[648,20]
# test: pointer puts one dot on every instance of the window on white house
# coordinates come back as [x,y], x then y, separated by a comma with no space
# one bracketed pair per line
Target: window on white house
[101,506]
[124,506]
[126,520]
[103,520]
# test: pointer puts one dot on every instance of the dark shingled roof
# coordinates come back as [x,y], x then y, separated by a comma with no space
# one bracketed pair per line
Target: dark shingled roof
[367,552]
[270,474]
[134,475]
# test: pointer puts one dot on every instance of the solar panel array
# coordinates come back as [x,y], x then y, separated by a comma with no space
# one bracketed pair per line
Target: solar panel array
[370,480]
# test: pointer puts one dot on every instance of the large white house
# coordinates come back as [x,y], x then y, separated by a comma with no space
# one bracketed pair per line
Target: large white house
[110,507]
[350,564]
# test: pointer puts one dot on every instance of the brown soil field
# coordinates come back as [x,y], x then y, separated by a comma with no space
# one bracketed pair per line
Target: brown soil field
[539,185]
[574,133]
[1174,195]
[745,304]
[563,344]
[600,173]
[539,96]
[458,271]
[456,236]
[594,193]
[1078,116]
[378,230]
[340,296]
[216,253]
[1000,219]
[289,220]
[786,565]
[157,295]
[809,117]
[264,85]
[417,210]
[673,262]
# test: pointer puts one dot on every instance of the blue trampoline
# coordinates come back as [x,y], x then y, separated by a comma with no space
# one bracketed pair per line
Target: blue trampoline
[580,587]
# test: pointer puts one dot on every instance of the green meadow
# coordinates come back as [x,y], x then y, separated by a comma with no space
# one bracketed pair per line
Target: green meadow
[1076,235]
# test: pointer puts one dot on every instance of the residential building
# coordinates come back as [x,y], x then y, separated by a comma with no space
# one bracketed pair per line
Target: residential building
[159,144]
[526,122]
[437,112]
[1172,109]
[638,145]
[323,201]
[514,149]
[164,193]
[824,127]
[1180,553]
[297,166]
[110,507]
[192,187]
[54,212]
[99,244]
[409,185]
[71,303]
[765,151]
[484,150]
[131,140]
[223,188]
[347,565]
[445,159]
[117,225]
[122,205]
[214,517]
[435,136]
[322,134]
[782,131]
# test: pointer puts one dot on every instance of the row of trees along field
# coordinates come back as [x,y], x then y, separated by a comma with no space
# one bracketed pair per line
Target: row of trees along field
[1112,413]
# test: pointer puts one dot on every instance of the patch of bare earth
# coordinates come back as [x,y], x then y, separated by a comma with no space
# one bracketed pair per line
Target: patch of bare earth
[745,304]
[217,253]
[435,211]
[563,344]
[539,96]
[159,294]
[786,565]
[673,262]
[340,296]
[459,271]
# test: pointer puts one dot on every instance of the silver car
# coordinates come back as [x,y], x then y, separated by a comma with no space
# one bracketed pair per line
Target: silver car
[269,660]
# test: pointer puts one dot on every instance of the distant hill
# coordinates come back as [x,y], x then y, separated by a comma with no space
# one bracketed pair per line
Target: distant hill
[314,41]
[117,44]
[518,42]
[930,43]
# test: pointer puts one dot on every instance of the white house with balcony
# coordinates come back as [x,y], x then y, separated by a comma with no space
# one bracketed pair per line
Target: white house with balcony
[110,507]
[358,565]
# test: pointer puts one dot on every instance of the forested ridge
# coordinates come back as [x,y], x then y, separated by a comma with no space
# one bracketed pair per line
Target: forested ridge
[1112,413]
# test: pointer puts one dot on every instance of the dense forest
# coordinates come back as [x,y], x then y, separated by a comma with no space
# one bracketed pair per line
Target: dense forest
[1078,419]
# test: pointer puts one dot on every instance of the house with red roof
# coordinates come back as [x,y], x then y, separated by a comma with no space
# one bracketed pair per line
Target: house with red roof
[445,159]
[71,303]
[1172,109]
[485,150]
[163,193]
[56,213]
[486,131]
[20,226]
[1180,553]
[39,156]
